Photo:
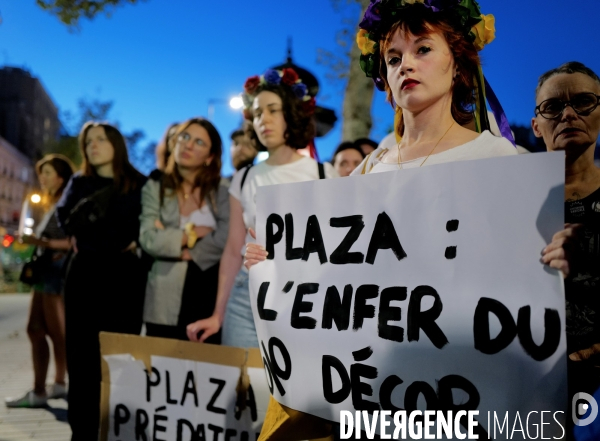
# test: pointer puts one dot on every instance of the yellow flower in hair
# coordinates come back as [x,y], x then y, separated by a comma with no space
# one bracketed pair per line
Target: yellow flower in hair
[365,45]
[484,31]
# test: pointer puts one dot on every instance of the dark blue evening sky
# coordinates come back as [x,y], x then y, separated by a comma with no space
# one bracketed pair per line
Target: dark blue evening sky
[162,61]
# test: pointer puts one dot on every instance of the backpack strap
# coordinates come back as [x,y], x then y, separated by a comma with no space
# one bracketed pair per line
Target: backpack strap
[321,170]
[245,175]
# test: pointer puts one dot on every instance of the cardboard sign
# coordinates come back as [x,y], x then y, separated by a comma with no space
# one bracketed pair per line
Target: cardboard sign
[163,389]
[417,289]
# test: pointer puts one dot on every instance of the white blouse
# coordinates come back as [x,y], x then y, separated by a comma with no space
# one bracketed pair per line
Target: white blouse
[201,217]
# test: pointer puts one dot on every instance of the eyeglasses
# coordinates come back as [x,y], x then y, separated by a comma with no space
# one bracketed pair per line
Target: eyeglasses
[583,104]
[185,137]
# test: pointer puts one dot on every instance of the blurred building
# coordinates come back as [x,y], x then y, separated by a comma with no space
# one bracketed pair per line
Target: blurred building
[17,179]
[28,117]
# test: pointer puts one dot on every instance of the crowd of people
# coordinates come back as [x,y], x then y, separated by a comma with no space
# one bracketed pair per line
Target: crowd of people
[168,250]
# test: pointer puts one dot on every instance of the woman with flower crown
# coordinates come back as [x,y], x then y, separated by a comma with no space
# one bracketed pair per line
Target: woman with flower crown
[424,55]
[280,108]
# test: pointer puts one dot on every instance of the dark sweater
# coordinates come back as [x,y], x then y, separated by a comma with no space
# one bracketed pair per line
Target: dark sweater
[582,289]
[119,225]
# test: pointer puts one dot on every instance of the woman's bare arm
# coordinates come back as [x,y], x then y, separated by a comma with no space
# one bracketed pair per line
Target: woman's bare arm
[231,262]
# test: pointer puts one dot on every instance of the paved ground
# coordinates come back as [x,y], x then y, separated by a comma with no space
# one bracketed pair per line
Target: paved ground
[16,377]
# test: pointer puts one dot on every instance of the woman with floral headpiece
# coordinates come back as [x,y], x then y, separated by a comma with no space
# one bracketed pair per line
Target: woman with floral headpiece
[280,108]
[424,55]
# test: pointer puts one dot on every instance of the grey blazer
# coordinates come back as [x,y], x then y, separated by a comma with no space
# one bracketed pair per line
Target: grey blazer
[167,276]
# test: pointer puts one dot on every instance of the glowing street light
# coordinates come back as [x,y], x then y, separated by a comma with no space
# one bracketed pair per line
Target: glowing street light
[236,102]
[35,198]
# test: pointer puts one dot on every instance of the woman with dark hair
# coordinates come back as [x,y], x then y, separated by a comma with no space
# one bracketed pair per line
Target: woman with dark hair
[47,312]
[184,224]
[347,156]
[104,287]
[280,109]
[366,145]
[567,117]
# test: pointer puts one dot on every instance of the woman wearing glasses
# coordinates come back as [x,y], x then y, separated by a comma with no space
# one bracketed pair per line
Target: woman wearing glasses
[184,224]
[567,117]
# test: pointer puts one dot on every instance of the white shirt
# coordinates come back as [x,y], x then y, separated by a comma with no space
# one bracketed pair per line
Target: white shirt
[304,169]
[485,145]
[200,217]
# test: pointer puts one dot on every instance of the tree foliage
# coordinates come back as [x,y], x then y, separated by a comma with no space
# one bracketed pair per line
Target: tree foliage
[141,155]
[359,94]
[345,71]
[65,145]
[338,60]
[71,11]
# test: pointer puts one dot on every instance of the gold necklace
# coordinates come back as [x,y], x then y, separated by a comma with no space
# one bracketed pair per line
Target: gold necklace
[186,195]
[427,157]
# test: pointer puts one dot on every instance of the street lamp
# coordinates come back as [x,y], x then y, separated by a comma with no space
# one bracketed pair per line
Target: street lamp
[234,103]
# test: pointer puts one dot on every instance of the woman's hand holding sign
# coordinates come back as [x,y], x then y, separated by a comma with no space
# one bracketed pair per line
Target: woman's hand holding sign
[200,330]
[560,253]
[255,253]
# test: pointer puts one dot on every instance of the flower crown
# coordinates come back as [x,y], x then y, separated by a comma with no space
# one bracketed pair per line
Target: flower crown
[286,77]
[382,14]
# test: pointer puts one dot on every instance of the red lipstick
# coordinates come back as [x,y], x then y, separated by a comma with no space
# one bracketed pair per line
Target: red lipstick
[409,83]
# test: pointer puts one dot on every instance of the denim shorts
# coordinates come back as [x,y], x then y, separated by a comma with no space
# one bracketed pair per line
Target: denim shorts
[53,276]
[238,325]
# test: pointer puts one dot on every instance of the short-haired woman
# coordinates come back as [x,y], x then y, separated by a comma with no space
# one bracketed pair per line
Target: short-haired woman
[567,117]
[347,156]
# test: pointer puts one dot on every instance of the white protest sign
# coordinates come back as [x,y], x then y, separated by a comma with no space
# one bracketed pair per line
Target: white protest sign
[180,399]
[415,289]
